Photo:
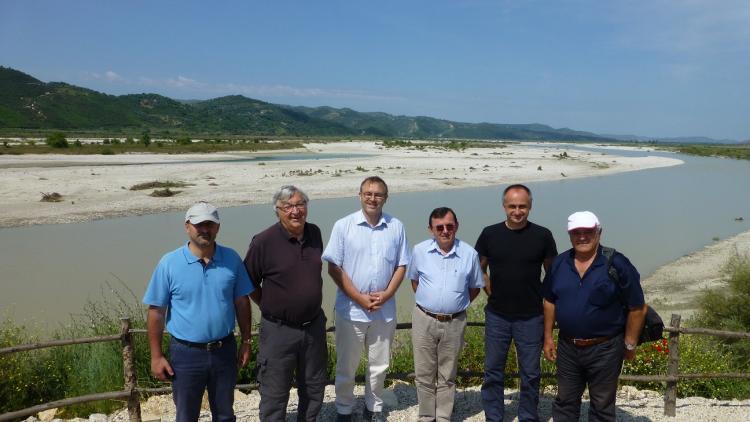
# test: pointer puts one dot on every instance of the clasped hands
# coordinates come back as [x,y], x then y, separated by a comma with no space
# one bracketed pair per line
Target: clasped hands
[372,301]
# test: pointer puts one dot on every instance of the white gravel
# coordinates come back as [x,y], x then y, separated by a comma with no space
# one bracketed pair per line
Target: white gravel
[401,405]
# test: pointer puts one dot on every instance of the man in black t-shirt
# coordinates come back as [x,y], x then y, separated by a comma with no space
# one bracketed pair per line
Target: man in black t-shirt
[514,251]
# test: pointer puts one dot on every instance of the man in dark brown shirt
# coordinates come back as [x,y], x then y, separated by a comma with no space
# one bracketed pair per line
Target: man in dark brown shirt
[285,267]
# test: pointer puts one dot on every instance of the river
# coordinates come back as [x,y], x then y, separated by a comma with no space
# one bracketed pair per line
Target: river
[653,216]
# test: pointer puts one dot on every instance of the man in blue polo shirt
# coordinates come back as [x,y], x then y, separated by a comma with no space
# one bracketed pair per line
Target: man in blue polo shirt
[599,321]
[446,277]
[199,289]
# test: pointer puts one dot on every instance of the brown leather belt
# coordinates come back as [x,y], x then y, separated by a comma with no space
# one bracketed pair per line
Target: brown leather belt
[586,342]
[441,317]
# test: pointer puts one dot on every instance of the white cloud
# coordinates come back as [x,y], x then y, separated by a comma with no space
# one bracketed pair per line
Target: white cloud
[112,76]
[186,87]
[191,87]
[183,82]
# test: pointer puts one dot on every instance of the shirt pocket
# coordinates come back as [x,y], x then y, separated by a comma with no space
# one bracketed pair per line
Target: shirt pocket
[603,293]
[389,251]
[456,280]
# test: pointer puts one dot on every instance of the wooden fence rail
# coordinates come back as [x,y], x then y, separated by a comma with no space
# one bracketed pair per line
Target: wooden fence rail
[131,392]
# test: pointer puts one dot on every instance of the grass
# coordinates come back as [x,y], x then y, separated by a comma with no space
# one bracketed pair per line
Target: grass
[740,152]
[164,193]
[159,184]
[160,147]
[51,197]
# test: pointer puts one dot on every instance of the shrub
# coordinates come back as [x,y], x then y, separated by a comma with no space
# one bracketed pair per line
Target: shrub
[57,140]
[51,197]
[159,184]
[729,308]
[35,377]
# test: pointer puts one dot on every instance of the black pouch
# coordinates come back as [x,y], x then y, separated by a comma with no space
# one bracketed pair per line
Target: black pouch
[653,327]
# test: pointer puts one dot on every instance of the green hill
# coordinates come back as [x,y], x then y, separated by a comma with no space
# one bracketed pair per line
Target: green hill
[29,104]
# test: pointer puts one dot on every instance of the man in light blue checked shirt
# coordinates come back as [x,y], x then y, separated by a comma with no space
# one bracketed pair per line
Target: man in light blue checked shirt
[367,257]
[446,277]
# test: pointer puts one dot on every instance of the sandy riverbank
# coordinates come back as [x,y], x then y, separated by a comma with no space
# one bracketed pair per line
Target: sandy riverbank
[95,187]
[674,288]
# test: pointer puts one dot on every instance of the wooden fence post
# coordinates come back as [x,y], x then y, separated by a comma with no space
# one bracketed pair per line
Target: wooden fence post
[129,372]
[670,395]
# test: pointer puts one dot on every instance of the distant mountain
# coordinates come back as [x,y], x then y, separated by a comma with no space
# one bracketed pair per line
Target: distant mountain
[383,124]
[28,103]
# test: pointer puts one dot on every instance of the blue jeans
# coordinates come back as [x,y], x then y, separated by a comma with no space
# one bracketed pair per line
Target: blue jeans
[598,366]
[198,369]
[527,334]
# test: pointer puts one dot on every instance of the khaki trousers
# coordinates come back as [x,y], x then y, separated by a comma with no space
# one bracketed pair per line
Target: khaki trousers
[436,349]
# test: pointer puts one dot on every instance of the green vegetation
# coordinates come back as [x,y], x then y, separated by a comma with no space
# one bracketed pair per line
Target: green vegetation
[164,193]
[57,140]
[159,184]
[51,197]
[115,146]
[43,375]
[740,152]
[721,309]
[29,104]
[729,309]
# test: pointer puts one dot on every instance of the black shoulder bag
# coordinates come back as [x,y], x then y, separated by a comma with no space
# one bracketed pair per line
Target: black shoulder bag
[653,326]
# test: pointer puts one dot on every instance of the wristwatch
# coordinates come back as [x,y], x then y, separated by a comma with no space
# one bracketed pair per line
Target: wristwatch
[247,340]
[629,347]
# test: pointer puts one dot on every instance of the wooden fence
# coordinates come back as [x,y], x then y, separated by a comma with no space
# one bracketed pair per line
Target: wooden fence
[131,392]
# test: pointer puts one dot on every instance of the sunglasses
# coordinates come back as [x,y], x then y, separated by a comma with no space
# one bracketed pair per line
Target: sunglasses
[445,227]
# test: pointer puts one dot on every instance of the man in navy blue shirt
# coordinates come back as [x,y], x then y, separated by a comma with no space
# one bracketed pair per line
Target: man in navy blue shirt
[599,319]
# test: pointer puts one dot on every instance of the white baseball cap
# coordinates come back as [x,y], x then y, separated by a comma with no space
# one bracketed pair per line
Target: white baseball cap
[583,220]
[202,211]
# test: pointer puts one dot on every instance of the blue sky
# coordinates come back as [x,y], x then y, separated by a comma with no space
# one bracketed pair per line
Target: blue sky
[647,67]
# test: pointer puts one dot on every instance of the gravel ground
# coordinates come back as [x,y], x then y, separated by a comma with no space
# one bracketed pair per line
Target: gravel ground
[401,405]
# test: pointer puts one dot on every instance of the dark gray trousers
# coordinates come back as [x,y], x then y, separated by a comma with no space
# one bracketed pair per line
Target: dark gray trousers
[287,352]
[598,367]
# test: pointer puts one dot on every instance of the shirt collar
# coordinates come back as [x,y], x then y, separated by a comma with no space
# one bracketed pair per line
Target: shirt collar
[190,258]
[361,219]
[434,247]
[290,236]
[598,261]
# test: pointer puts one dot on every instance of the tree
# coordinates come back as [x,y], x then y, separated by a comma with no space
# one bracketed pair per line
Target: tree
[57,140]
[146,139]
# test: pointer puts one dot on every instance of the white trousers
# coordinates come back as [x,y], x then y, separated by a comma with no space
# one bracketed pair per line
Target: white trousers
[351,336]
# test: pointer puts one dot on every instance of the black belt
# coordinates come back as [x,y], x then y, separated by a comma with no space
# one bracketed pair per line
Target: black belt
[441,317]
[211,345]
[290,323]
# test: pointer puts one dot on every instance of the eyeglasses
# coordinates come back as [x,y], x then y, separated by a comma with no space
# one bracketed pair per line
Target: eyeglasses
[287,208]
[371,195]
[445,227]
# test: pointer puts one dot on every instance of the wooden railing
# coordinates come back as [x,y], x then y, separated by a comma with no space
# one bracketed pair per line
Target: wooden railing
[131,392]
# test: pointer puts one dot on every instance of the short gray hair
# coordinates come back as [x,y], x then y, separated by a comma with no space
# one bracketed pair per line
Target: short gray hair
[286,192]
